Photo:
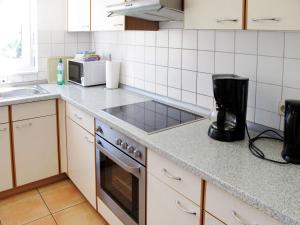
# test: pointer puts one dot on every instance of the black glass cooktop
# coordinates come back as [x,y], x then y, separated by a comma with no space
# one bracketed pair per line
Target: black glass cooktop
[152,116]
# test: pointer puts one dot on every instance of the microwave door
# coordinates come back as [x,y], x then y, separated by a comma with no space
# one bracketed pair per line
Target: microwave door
[75,72]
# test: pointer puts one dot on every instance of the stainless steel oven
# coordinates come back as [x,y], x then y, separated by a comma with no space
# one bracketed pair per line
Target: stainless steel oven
[121,175]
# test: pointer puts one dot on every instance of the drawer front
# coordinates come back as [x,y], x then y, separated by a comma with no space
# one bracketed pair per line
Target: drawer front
[33,110]
[81,118]
[182,181]
[107,214]
[231,210]
[4,114]
[210,220]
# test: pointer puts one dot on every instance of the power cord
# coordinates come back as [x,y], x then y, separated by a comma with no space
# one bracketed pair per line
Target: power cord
[257,152]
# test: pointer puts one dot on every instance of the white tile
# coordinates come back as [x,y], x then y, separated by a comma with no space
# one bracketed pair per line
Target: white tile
[224,63]
[84,37]
[140,53]
[189,60]
[150,73]
[291,93]
[291,77]
[150,87]
[225,41]
[189,97]
[70,49]
[246,42]
[150,55]
[175,38]
[268,97]
[267,118]
[44,37]
[174,78]
[206,62]
[205,101]
[292,45]
[139,71]
[250,114]
[150,38]
[83,46]
[71,37]
[270,70]
[42,76]
[162,56]
[252,94]
[174,58]
[205,84]
[245,65]
[129,37]
[189,39]
[140,37]
[43,64]
[44,50]
[271,43]
[58,50]
[189,80]
[174,93]
[161,90]
[29,77]
[161,75]
[140,84]
[206,40]
[15,78]
[58,37]
[162,38]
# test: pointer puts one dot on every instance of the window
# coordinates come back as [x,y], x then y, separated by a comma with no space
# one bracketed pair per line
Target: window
[17,39]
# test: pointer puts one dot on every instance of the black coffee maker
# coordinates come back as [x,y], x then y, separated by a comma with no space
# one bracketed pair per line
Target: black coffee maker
[291,148]
[231,95]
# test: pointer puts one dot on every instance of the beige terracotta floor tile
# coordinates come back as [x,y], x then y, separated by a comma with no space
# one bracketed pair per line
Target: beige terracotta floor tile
[22,208]
[54,186]
[61,196]
[48,220]
[81,214]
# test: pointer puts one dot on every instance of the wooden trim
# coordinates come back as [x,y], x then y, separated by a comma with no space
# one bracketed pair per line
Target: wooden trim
[12,146]
[245,14]
[132,23]
[202,201]
[33,185]
[58,135]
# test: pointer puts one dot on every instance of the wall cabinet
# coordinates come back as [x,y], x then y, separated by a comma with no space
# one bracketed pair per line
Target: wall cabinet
[81,160]
[214,14]
[79,15]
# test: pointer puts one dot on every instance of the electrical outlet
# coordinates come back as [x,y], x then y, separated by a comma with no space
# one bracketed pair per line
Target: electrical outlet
[281,108]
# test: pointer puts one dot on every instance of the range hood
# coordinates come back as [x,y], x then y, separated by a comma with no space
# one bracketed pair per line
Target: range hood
[153,10]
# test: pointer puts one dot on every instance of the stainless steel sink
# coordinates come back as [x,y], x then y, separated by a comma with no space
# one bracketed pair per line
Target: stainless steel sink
[16,92]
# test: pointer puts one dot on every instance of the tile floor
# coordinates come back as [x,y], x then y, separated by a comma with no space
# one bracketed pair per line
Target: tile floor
[56,204]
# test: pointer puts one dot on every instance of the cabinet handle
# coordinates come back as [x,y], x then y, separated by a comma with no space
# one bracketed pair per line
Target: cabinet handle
[24,126]
[167,174]
[3,130]
[238,219]
[179,206]
[78,117]
[227,20]
[275,19]
[88,140]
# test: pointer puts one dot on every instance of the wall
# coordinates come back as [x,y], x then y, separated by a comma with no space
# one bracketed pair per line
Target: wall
[179,63]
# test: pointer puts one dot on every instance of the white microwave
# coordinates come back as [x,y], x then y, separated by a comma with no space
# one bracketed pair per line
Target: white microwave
[86,74]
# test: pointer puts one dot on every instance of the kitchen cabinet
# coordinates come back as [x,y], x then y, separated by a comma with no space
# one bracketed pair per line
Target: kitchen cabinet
[273,15]
[35,148]
[6,180]
[214,14]
[79,15]
[81,160]
[4,114]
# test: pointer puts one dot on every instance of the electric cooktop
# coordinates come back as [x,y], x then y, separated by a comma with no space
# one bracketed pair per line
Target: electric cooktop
[153,116]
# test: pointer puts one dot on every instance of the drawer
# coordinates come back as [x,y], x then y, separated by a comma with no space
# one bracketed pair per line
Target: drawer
[33,110]
[210,220]
[83,119]
[232,211]
[107,214]
[182,181]
[4,114]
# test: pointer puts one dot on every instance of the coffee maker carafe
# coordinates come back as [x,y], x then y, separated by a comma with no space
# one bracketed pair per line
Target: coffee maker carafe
[231,95]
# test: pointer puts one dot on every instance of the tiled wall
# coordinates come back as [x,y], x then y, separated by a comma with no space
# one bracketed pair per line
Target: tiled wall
[179,63]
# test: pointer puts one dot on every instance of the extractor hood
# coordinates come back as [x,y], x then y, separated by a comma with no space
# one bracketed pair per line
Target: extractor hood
[153,10]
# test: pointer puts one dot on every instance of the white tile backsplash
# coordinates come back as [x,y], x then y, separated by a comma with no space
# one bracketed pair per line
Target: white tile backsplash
[291,77]
[206,40]
[206,62]
[225,41]
[292,45]
[189,59]
[174,78]
[150,73]
[224,63]
[246,65]
[174,93]
[268,97]
[189,97]
[189,80]
[267,118]
[150,55]
[162,38]
[175,38]
[162,56]
[205,84]
[271,43]
[246,42]
[175,58]
[270,70]
[189,39]
[161,75]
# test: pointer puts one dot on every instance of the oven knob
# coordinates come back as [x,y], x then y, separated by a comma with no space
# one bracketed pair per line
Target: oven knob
[137,154]
[124,145]
[119,141]
[130,149]
[99,130]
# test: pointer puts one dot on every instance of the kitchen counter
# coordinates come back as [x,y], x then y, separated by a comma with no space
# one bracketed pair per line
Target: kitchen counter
[271,188]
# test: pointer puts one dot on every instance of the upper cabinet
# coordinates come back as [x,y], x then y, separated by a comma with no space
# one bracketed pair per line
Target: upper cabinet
[79,15]
[214,14]
[273,15]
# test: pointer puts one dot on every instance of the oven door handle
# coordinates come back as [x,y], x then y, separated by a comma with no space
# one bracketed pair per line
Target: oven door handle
[124,162]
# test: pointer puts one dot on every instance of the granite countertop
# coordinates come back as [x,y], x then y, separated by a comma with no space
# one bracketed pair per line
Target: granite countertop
[271,188]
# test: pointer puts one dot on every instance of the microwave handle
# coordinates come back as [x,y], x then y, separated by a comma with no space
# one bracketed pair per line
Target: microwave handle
[135,170]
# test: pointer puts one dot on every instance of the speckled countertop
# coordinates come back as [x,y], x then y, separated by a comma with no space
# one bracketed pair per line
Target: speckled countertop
[273,189]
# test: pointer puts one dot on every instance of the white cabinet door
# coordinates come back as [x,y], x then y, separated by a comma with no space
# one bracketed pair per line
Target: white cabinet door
[101,20]
[35,146]
[214,14]
[79,15]
[62,135]
[273,15]
[166,206]
[5,159]
[81,160]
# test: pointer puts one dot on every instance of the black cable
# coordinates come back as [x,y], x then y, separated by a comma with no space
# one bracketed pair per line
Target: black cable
[257,152]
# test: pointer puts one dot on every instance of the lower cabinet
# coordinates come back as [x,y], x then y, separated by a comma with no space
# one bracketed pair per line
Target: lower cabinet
[81,160]
[6,180]
[35,147]
[166,206]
